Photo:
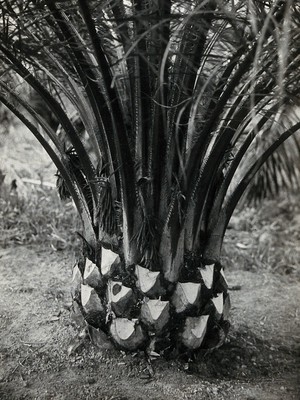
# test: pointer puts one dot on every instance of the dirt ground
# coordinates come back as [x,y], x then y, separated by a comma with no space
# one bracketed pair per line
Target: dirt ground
[259,361]
[44,355]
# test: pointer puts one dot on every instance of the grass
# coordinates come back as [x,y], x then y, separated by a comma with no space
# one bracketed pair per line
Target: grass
[40,218]
[266,237]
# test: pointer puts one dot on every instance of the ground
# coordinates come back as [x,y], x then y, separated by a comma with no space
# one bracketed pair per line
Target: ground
[44,355]
[259,361]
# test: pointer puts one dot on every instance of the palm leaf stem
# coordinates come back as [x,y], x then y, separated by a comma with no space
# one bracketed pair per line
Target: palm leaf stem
[123,155]
[113,102]
[192,223]
[90,79]
[62,166]
[60,114]
[193,163]
[76,97]
[215,239]
[213,165]
[239,109]
[79,177]
[122,163]
[244,66]
[202,141]
[34,114]
[157,152]
[234,165]
[142,105]
[192,45]
[123,31]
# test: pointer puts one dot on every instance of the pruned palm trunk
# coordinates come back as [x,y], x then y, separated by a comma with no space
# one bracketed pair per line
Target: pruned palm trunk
[140,309]
[175,98]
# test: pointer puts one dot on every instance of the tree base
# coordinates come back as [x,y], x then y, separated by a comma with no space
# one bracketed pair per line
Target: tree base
[138,309]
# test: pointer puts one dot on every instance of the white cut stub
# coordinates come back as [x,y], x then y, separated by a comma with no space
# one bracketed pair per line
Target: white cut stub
[86,291]
[226,308]
[76,282]
[207,274]
[127,333]
[118,291]
[223,275]
[194,331]
[155,313]
[120,297]
[108,257]
[146,279]
[218,302]
[90,300]
[91,274]
[76,275]
[186,294]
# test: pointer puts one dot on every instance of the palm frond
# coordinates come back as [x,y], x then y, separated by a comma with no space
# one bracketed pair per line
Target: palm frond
[175,94]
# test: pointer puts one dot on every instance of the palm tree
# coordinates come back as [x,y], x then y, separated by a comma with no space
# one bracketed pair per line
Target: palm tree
[175,98]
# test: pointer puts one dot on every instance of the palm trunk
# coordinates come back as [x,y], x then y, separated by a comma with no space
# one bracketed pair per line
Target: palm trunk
[143,309]
[172,96]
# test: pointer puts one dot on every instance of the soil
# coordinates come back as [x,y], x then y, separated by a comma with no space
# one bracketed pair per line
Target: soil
[44,355]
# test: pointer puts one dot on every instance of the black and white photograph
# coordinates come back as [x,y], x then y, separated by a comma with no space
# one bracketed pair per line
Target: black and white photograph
[149,199]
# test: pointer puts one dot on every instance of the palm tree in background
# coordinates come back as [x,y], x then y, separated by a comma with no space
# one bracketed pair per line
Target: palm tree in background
[181,104]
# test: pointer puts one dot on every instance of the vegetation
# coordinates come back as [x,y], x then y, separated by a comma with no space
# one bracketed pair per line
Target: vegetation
[40,219]
[181,103]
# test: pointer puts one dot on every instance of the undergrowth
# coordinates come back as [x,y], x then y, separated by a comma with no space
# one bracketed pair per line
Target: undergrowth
[39,218]
[265,237]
